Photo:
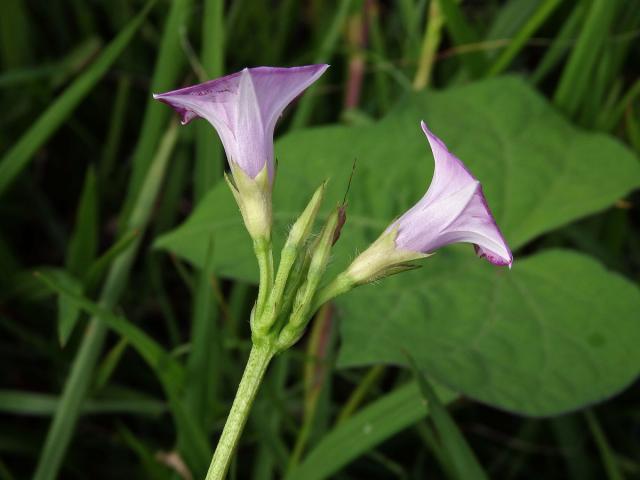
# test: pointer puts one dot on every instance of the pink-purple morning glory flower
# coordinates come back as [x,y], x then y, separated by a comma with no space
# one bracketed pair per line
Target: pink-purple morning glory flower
[244,107]
[453,210]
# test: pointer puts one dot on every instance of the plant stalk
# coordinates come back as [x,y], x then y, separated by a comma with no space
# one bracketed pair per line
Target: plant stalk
[259,359]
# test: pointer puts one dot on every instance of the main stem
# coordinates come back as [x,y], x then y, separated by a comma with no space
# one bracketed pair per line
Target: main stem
[259,359]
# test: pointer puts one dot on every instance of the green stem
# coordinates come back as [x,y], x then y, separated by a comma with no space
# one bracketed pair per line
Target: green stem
[262,248]
[341,284]
[259,359]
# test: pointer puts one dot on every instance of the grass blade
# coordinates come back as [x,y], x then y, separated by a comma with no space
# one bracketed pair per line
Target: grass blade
[576,75]
[203,365]
[98,268]
[68,312]
[84,240]
[462,458]
[359,434]
[19,156]
[15,40]
[168,370]
[607,455]
[325,52]
[523,35]
[169,65]
[116,128]
[209,159]
[561,44]
[171,374]
[569,434]
[462,34]
[17,402]
[430,45]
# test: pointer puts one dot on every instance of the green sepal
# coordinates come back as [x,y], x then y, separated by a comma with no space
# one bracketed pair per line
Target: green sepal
[253,196]
[381,259]
[305,295]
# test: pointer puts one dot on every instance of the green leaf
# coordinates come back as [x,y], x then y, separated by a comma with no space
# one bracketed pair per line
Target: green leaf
[18,157]
[360,433]
[552,335]
[463,460]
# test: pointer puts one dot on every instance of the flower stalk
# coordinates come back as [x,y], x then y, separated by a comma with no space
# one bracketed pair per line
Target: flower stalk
[259,360]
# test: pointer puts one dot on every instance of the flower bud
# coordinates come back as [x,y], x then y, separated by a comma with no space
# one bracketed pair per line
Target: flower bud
[290,252]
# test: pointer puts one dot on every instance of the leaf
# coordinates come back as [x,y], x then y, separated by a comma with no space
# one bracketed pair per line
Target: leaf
[360,433]
[463,461]
[556,333]
[538,173]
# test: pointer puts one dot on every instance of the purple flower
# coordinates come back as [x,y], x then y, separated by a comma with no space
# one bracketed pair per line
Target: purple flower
[244,107]
[453,210]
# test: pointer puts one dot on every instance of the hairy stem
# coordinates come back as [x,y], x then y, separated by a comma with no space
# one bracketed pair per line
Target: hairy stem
[339,285]
[259,359]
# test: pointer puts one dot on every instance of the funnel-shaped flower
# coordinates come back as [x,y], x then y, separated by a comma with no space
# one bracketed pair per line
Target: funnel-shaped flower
[453,210]
[244,108]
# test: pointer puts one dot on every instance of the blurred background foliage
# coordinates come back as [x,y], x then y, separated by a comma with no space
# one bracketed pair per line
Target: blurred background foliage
[122,352]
